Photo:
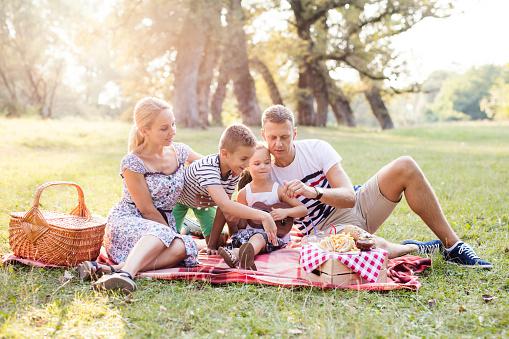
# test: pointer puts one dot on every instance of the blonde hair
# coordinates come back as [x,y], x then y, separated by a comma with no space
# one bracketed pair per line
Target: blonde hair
[235,136]
[144,114]
[278,114]
[245,177]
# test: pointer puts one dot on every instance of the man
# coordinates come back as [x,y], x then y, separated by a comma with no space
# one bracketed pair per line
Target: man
[325,188]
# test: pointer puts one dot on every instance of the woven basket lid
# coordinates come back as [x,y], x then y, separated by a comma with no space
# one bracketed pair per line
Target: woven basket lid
[66,221]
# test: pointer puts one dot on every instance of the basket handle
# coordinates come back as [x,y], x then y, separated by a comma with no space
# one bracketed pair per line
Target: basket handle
[81,210]
[33,222]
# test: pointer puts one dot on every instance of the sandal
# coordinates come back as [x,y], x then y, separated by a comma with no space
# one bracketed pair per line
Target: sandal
[246,257]
[229,257]
[91,270]
[119,280]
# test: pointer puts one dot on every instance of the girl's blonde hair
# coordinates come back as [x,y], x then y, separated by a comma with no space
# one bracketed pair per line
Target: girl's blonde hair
[145,111]
[245,176]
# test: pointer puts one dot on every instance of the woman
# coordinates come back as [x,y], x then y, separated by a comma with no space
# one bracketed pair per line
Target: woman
[140,233]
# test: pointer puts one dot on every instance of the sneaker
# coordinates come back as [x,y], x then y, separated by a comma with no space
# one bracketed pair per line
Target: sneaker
[426,247]
[462,254]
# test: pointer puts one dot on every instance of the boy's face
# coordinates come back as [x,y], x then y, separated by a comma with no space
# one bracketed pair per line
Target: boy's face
[238,160]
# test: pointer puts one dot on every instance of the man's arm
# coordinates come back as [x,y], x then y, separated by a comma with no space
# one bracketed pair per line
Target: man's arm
[340,195]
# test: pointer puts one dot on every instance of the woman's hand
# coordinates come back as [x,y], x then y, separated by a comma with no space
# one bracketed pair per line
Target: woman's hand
[279,213]
[270,228]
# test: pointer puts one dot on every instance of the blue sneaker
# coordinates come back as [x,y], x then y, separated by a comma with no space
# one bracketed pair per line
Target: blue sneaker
[465,256]
[426,247]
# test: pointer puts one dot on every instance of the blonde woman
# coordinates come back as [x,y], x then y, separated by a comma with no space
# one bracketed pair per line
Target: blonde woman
[140,234]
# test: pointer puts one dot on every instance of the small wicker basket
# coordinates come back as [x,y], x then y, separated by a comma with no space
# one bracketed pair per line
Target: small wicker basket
[56,238]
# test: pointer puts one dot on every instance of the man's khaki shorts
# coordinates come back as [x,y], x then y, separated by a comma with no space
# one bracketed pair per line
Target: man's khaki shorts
[371,209]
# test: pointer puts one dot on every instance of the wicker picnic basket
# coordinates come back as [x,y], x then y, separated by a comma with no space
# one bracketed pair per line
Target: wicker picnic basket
[56,238]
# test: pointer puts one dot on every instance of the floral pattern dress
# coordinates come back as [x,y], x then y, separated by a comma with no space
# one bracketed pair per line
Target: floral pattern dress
[126,225]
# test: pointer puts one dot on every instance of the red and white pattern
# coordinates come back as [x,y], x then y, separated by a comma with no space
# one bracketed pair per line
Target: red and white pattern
[367,264]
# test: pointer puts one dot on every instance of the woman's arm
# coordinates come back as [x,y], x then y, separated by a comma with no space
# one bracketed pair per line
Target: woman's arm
[138,189]
[193,156]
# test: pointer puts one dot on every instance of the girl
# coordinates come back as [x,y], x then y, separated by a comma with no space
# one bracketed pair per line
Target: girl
[259,187]
[140,233]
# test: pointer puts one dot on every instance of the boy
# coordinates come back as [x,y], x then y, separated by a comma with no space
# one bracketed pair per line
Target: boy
[216,175]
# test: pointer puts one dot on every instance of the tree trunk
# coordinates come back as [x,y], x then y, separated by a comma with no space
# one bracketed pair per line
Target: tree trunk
[264,71]
[209,61]
[243,83]
[216,106]
[305,101]
[190,48]
[319,87]
[338,101]
[378,107]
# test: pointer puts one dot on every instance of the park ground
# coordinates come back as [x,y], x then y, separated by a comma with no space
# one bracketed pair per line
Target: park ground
[467,164]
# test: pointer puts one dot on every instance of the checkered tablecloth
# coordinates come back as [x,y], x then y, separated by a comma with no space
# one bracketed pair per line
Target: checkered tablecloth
[367,264]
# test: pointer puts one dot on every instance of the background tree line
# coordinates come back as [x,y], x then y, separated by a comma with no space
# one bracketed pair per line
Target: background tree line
[215,60]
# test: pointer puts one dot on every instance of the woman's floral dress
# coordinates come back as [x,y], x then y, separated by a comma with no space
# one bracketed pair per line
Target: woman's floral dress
[126,225]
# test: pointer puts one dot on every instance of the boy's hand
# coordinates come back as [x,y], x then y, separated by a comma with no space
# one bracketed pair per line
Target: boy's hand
[208,251]
[270,228]
[279,213]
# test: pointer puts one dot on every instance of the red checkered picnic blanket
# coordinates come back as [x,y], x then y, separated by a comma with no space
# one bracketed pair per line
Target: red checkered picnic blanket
[366,264]
[279,268]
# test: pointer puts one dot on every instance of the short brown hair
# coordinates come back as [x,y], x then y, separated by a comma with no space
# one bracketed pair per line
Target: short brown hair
[277,114]
[237,135]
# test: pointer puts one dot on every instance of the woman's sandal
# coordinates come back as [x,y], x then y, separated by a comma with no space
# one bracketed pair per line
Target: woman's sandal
[91,270]
[119,280]
[246,257]
[229,257]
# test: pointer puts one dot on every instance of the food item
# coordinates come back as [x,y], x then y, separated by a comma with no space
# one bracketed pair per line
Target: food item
[339,243]
[363,240]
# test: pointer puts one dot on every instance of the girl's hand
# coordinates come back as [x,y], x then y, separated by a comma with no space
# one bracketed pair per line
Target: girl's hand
[279,213]
[270,228]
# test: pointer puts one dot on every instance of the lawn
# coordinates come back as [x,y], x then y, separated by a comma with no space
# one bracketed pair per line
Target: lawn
[467,164]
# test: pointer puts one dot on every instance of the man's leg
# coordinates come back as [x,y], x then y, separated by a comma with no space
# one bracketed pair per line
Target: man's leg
[403,175]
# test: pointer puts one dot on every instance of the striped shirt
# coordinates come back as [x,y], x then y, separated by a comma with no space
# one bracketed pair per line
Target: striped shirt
[313,159]
[201,174]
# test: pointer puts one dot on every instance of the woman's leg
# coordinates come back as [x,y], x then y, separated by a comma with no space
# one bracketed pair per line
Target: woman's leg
[143,253]
[169,257]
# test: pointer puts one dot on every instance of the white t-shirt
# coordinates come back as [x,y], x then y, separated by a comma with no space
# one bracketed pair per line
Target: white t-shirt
[313,159]
[201,174]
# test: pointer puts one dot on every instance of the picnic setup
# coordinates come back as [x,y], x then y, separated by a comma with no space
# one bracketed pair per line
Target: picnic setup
[254,169]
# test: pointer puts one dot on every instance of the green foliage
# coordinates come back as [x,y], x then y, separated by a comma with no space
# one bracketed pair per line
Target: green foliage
[467,164]
[460,96]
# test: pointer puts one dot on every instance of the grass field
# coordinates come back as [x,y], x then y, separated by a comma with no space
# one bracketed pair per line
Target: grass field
[467,164]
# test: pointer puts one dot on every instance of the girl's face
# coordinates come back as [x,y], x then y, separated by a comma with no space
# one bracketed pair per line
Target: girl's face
[260,164]
[163,129]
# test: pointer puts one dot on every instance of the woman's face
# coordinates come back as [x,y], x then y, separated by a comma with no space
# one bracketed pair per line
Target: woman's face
[259,164]
[163,129]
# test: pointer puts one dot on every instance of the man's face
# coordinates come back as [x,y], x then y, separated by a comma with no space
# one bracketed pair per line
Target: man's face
[279,138]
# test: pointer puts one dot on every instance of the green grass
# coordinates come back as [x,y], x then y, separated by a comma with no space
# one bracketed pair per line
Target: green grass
[467,164]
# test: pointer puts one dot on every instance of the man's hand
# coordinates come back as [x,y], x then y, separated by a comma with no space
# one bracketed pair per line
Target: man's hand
[270,228]
[279,213]
[203,201]
[296,188]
